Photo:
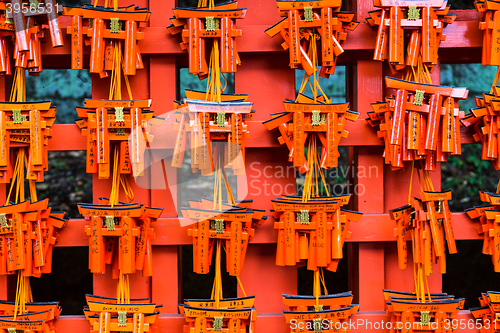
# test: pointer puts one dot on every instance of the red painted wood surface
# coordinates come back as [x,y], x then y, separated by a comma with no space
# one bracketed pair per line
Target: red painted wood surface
[266,77]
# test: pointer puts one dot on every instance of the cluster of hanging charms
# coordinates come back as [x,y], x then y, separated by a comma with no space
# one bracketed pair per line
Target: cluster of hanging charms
[28,228]
[490,18]
[484,121]
[420,126]
[312,228]
[422,311]
[25,24]
[419,123]
[212,126]
[117,131]
[409,33]
[487,313]
[206,27]
[318,22]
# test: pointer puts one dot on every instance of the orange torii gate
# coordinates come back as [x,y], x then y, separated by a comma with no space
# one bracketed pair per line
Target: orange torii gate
[304,16]
[198,24]
[407,29]
[415,130]
[122,122]
[205,123]
[25,124]
[102,40]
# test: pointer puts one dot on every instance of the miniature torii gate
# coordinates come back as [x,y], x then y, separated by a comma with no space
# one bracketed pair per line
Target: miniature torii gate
[219,23]
[234,225]
[304,117]
[331,320]
[424,19]
[484,120]
[107,315]
[232,320]
[491,35]
[209,122]
[130,223]
[320,15]
[430,219]
[314,231]
[125,122]
[101,37]
[25,124]
[414,130]
[39,317]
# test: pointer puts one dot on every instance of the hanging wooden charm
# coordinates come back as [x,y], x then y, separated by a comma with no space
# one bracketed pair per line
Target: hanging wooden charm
[487,313]
[421,122]
[302,20]
[304,118]
[104,29]
[427,222]
[25,125]
[490,18]
[201,124]
[199,26]
[409,32]
[326,314]
[120,235]
[434,314]
[118,134]
[107,314]
[234,226]
[235,315]
[124,124]
[488,216]
[28,25]
[314,230]
[484,120]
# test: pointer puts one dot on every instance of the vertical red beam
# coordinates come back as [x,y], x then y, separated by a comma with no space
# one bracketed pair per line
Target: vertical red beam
[368,262]
[165,289]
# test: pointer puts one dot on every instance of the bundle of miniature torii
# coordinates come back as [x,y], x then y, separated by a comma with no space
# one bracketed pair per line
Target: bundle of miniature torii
[488,312]
[488,216]
[204,123]
[409,32]
[433,315]
[330,315]
[318,22]
[421,122]
[203,24]
[123,124]
[234,226]
[490,20]
[123,33]
[427,223]
[25,126]
[305,118]
[485,120]
[26,23]
[314,230]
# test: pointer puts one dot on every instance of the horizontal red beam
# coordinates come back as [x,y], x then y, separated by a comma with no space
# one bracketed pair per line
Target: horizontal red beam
[370,228]
[464,32]
[364,321]
[68,137]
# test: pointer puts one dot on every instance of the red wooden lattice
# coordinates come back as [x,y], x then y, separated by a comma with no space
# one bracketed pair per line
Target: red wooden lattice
[267,78]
